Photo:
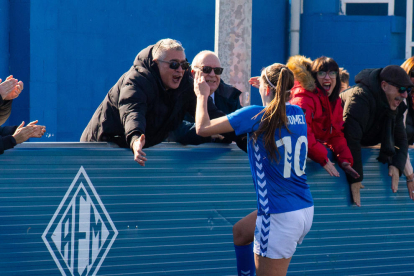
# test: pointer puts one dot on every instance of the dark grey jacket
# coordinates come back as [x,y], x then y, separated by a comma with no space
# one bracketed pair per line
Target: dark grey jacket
[365,109]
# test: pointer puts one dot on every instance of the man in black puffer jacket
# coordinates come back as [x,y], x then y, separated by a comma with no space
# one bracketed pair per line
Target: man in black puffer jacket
[373,115]
[147,102]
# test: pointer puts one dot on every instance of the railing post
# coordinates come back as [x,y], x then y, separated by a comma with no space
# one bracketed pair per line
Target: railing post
[233,43]
[409,30]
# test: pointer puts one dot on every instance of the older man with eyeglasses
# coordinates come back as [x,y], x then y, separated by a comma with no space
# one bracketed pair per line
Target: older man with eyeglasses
[373,115]
[224,96]
[148,101]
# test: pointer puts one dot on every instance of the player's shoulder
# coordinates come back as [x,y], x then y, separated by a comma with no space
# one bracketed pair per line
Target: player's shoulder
[293,109]
[250,110]
[253,108]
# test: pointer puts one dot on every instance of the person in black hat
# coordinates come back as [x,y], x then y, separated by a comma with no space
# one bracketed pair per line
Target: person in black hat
[373,115]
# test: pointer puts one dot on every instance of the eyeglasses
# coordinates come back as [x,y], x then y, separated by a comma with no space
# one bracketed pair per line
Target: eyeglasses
[175,64]
[401,89]
[331,74]
[208,69]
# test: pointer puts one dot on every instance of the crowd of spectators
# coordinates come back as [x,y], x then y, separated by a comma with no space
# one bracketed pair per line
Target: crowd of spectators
[154,102]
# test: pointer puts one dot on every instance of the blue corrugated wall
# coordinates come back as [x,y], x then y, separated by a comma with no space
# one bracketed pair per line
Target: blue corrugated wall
[175,215]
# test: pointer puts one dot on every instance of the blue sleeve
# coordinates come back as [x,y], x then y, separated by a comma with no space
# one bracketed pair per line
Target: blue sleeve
[243,121]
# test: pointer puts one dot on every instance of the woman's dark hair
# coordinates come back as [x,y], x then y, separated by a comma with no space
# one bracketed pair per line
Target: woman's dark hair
[280,80]
[326,64]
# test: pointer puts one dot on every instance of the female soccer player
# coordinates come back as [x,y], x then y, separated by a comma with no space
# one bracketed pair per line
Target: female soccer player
[277,149]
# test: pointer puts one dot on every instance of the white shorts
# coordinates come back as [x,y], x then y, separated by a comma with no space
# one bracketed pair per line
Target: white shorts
[276,235]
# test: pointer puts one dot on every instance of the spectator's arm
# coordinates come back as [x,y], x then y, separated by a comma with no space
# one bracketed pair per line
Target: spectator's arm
[399,160]
[186,134]
[356,115]
[132,107]
[5,110]
[7,142]
[7,130]
[340,148]
[316,151]
[408,169]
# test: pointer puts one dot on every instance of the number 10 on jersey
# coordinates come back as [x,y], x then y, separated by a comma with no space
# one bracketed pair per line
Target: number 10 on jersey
[286,142]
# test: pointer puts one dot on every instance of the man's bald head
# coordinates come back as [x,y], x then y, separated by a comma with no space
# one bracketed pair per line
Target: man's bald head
[206,59]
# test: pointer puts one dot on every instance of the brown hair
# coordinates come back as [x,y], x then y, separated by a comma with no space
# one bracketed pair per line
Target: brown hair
[280,80]
[343,75]
[327,64]
[408,65]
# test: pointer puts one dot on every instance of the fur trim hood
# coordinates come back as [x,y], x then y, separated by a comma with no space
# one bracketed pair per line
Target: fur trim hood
[300,66]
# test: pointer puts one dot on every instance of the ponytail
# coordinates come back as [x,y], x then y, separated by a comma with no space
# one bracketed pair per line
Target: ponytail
[280,80]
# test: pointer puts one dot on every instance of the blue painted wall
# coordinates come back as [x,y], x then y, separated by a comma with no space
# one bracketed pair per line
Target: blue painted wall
[70,53]
[4,38]
[270,41]
[355,42]
[20,58]
[76,50]
[79,49]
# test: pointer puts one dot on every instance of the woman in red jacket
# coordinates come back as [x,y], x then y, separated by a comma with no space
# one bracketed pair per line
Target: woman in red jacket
[316,91]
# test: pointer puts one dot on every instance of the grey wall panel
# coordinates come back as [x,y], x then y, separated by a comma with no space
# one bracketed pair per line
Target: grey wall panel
[175,215]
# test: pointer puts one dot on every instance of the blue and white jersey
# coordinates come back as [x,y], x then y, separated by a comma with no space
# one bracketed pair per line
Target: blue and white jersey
[280,187]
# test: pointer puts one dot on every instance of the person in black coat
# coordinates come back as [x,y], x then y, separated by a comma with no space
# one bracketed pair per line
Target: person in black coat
[373,115]
[148,101]
[225,97]
[10,136]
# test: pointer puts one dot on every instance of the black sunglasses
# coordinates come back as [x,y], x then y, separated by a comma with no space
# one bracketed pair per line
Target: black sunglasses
[207,69]
[175,64]
[401,89]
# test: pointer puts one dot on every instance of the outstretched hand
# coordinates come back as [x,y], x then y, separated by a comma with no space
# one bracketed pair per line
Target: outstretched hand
[410,187]
[23,133]
[139,155]
[330,168]
[356,194]
[255,82]
[395,177]
[349,170]
[201,87]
